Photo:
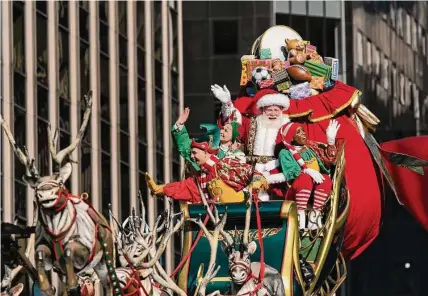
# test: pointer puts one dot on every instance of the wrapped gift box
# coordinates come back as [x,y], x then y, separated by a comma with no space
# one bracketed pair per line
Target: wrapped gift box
[244,70]
[317,82]
[283,85]
[265,54]
[317,69]
[300,91]
[334,64]
[310,49]
[280,76]
[252,64]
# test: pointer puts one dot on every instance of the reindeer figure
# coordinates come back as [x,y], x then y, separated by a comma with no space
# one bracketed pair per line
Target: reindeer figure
[136,243]
[243,272]
[68,228]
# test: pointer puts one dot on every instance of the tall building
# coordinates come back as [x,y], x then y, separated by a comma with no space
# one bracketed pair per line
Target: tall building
[129,54]
[388,60]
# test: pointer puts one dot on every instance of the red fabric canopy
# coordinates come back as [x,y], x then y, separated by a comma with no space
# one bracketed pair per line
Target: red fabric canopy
[412,188]
[365,200]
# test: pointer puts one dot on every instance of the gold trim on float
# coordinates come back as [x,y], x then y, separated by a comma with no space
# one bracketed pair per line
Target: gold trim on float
[187,243]
[331,221]
[289,212]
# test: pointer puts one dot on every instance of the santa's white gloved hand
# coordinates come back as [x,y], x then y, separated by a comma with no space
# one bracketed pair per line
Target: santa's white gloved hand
[315,175]
[331,131]
[221,93]
[271,165]
[259,167]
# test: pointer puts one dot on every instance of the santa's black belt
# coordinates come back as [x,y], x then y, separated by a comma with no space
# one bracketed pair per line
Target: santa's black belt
[259,159]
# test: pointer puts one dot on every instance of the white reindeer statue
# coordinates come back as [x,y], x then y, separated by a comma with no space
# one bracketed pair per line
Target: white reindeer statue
[243,272]
[136,243]
[68,227]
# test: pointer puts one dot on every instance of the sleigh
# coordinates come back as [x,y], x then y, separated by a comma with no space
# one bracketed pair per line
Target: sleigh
[282,242]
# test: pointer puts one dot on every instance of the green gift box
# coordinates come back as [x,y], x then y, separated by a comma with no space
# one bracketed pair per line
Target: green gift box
[265,54]
[318,69]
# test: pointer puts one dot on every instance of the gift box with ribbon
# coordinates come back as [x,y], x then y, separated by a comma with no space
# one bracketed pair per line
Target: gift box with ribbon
[334,64]
[317,82]
[317,69]
[310,48]
[244,70]
[265,53]
[267,83]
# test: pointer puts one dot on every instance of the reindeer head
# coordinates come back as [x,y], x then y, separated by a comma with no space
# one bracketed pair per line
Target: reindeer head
[49,189]
[136,241]
[239,261]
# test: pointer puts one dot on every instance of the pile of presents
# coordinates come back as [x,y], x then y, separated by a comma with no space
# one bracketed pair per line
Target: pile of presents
[303,73]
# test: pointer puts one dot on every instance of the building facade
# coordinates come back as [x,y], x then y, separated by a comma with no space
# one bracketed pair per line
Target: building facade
[129,54]
[389,63]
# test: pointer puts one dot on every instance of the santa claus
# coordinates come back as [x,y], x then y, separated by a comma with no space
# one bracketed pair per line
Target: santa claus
[261,119]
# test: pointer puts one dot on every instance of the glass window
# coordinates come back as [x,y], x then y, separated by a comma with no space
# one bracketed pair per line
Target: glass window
[142,133]
[408,34]
[173,27]
[42,49]
[123,51]
[85,70]
[142,157]
[20,199]
[360,49]
[416,109]
[392,14]
[402,98]
[63,13]
[143,188]
[400,22]
[42,102]
[124,148]
[369,56]
[103,10]
[19,89]
[105,136]
[104,83]
[64,115]
[424,43]
[394,82]
[414,35]
[158,74]
[84,24]
[63,63]
[174,85]
[159,120]
[122,17]
[385,76]
[225,34]
[85,167]
[408,88]
[19,134]
[104,37]
[124,191]
[140,23]
[159,167]
[106,183]
[376,60]
[141,62]
[41,6]
[18,38]
[123,99]
[157,29]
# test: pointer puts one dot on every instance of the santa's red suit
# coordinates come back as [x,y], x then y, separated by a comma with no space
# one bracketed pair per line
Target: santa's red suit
[258,134]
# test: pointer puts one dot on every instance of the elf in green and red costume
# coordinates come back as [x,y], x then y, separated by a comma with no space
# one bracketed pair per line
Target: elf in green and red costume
[224,139]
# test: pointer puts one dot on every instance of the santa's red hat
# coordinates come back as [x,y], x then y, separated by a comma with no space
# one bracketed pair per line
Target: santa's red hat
[205,146]
[270,97]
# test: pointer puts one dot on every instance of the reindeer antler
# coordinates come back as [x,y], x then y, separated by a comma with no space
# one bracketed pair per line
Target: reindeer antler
[23,156]
[59,157]
[246,234]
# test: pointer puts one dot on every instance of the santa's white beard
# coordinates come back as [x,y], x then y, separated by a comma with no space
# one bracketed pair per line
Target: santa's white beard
[267,131]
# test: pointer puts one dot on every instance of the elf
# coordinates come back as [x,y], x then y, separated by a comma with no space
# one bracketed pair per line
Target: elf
[220,180]
[306,165]
[225,139]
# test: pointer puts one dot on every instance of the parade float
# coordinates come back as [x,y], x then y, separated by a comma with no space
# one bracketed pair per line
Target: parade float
[278,194]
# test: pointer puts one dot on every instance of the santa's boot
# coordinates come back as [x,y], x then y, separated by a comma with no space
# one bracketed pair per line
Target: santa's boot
[302,219]
[314,218]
